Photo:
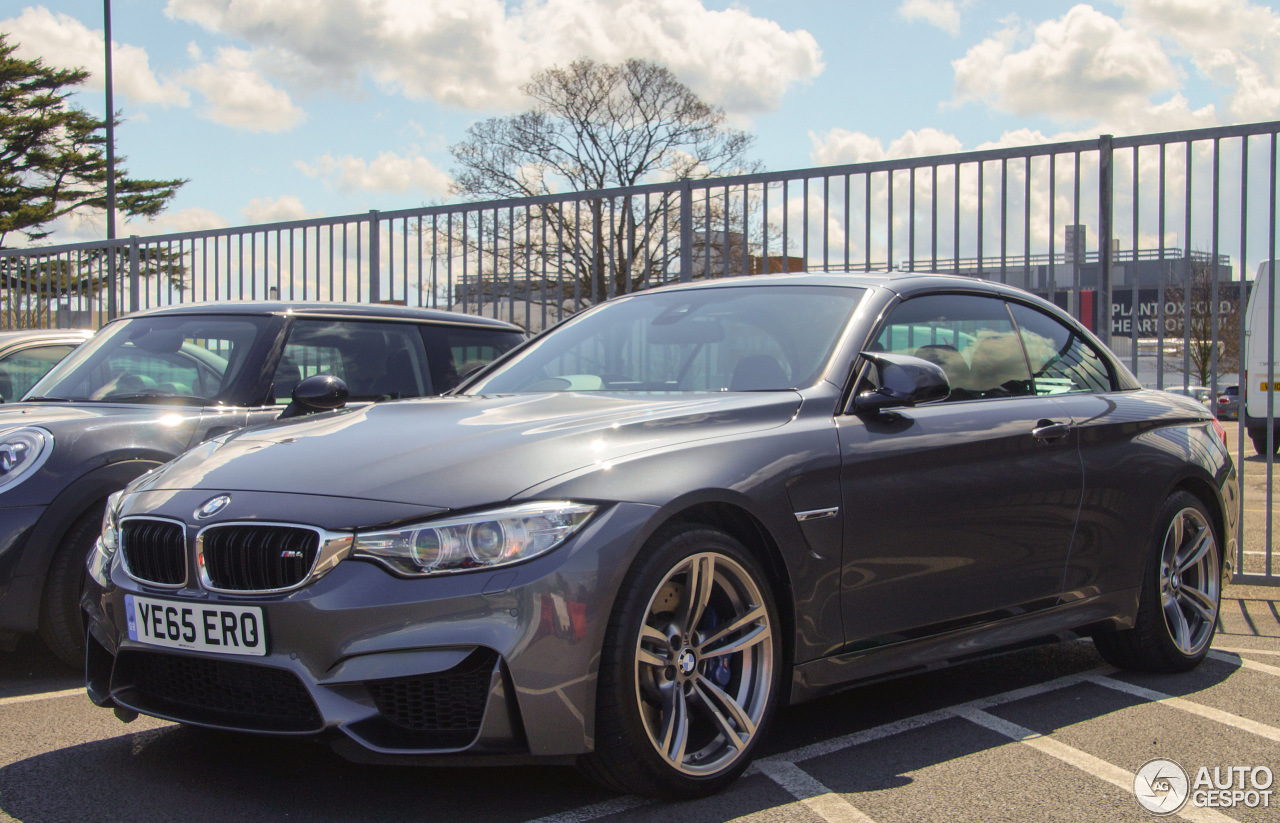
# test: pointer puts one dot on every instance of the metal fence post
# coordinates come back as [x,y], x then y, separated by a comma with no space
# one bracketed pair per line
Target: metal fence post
[686,230]
[1106,175]
[135,274]
[375,259]
[112,295]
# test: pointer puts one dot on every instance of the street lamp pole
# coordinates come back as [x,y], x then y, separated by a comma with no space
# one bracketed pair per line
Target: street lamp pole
[111,167]
[111,131]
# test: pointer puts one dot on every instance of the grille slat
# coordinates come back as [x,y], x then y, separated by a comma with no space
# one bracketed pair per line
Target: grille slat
[155,551]
[242,557]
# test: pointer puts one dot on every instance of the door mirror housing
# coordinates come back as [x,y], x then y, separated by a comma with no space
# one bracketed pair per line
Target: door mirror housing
[317,393]
[905,381]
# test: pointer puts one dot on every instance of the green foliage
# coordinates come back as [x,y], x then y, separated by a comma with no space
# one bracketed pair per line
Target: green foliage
[53,153]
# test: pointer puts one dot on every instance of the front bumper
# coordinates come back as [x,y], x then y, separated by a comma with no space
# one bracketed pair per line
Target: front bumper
[494,662]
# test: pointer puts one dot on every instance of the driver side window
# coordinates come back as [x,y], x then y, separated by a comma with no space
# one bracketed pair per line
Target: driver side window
[972,338]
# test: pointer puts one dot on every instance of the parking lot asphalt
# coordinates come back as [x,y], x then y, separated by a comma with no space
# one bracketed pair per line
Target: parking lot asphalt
[1049,733]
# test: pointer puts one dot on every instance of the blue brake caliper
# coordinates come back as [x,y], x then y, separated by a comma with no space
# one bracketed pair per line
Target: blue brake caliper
[717,669]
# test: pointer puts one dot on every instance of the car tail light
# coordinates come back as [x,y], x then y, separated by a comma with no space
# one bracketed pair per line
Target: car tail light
[1222,433]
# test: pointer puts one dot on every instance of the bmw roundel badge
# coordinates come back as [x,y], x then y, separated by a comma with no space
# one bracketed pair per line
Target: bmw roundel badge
[212,506]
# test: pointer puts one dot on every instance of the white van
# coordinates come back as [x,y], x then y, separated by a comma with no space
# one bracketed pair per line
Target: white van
[1259,380]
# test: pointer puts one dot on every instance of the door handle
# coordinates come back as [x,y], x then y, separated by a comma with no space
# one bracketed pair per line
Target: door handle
[1048,431]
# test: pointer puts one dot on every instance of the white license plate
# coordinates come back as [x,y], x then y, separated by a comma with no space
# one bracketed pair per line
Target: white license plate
[206,627]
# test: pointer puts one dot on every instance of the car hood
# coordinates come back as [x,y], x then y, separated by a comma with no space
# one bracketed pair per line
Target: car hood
[14,415]
[162,430]
[455,452]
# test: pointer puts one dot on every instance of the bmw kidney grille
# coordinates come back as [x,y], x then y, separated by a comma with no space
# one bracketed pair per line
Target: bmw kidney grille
[154,551]
[247,558]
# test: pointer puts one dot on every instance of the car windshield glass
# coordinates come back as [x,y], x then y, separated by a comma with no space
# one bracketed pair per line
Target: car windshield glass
[186,359]
[742,338]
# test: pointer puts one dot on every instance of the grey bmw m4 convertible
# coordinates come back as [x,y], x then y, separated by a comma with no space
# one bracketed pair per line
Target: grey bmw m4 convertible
[627,542]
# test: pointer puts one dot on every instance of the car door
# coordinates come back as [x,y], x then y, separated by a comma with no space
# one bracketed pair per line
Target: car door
[959,512]
[1126,446]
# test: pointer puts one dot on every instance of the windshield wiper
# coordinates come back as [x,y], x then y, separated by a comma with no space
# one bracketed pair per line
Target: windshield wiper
[155,397]
[44,399]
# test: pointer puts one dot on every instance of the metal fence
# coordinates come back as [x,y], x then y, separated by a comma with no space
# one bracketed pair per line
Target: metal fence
[1147,239]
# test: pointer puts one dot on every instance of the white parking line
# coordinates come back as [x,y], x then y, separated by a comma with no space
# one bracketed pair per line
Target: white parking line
[1236,659]
[830,806]
[1235,721]
[1243,651]
[1072,756]
[33,698]
[816,797]
[836,744]
[596,810]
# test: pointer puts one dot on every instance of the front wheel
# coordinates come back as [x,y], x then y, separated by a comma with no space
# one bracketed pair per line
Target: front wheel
[690,669]
[61,628]
[1181,593]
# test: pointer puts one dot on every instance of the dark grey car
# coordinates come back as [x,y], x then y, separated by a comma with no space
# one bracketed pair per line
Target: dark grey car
[630,540]
[149,386]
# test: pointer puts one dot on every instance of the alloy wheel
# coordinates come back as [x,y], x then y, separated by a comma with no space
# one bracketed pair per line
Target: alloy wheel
[704,664]
[1190,581]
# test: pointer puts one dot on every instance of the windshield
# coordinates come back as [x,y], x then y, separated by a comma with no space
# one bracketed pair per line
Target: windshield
[741,338]
[187,359]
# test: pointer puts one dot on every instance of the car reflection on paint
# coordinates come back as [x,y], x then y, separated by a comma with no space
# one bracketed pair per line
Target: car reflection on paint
[626,543]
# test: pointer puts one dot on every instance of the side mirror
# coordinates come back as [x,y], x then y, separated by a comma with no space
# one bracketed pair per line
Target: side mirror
[317,393]
[904,381]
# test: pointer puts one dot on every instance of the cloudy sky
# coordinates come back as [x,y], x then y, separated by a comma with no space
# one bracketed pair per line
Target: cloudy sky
[281,109]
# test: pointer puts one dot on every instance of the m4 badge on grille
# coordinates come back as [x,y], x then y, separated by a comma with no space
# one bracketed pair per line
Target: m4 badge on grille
[290,554]
[212,506]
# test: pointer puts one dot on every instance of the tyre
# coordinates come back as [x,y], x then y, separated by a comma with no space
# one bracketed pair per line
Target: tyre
[1181,592]
[690,669]
[61,628]
[1259,438]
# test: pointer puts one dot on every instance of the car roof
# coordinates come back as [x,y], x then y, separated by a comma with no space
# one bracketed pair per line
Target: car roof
[12,336]
[318,309]
[902,283]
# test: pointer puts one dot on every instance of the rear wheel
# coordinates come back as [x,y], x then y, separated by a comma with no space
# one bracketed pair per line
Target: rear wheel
[1181,592]
[1259,438]
[60,625]
[690,669]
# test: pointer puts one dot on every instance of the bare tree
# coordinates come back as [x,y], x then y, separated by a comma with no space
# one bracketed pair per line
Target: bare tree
[594,126]
[1212,307]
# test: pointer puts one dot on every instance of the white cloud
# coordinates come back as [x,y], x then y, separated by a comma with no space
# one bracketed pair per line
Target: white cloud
[64,42]
[477,54]
[87,225]
[1085,65]
[276,210]
[239,96]
[839,146]
[388,172]
[170,222]
[1233,42]
[944,14]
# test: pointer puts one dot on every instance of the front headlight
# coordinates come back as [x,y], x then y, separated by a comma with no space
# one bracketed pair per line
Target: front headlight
[475,541]
[99,563]
[22,451]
